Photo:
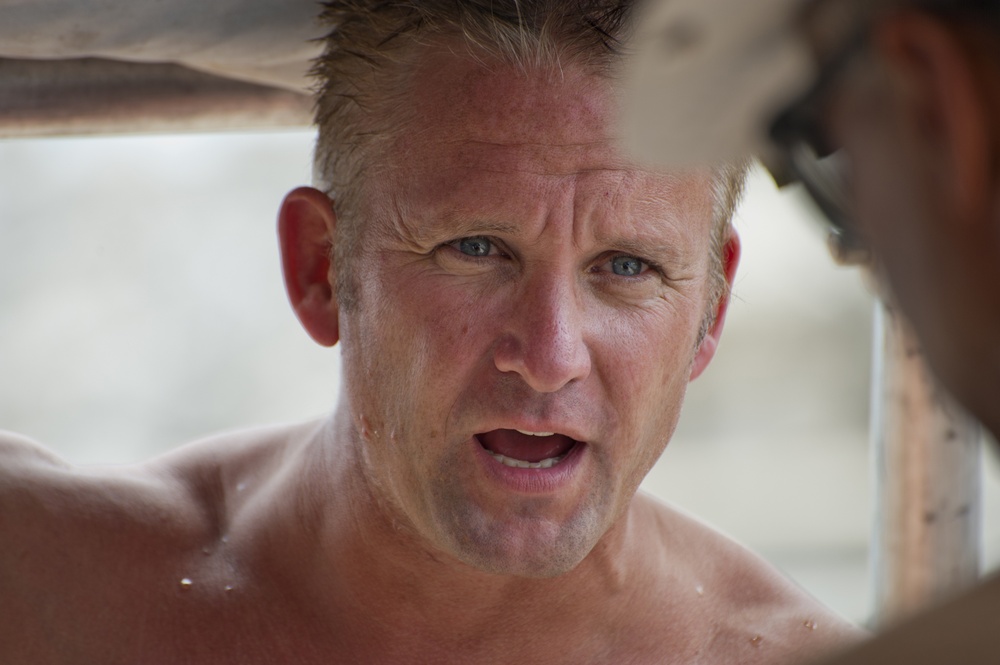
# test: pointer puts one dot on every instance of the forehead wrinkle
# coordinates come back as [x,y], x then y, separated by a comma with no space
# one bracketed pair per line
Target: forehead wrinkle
[499,156]
[534,158]
[651,215]
[422,224]
[459,225]
[542,173]
[531,144]
[655,233]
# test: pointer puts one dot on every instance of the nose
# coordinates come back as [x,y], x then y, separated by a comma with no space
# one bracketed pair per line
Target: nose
[543,339]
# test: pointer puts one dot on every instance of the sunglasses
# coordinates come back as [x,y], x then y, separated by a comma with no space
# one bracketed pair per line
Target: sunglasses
[807,156]
[804,153]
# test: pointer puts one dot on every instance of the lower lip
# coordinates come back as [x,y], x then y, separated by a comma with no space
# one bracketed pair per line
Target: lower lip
[531,481]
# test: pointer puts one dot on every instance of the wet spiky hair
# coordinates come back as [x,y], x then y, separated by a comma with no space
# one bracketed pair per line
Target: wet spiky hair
[369,52]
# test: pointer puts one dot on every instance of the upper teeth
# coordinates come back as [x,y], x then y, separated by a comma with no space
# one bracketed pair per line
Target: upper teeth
[536,433]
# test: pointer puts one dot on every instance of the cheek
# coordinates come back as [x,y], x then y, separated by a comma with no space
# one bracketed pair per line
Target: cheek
[433,333]
[444,323]
[645,364]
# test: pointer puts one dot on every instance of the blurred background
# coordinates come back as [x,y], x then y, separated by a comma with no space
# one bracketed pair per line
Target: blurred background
[142,307]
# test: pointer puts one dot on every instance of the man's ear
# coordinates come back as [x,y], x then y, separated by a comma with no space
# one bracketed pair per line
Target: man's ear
[306,227]
[710,342]
[947,105]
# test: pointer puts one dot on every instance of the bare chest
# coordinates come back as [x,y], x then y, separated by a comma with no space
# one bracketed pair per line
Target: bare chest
[237,629]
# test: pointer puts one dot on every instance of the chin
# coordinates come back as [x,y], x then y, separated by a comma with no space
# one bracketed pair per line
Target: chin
[525,547]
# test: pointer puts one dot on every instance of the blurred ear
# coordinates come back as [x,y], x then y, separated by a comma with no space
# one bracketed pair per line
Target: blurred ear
[706,350]
[306,226]
[945,104]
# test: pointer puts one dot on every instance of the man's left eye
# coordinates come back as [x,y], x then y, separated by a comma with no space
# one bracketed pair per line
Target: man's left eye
[474,246]
[627,266]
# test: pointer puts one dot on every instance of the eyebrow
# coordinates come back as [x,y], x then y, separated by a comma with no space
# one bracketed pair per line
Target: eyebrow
[458,225]
[485,226]
[660,252]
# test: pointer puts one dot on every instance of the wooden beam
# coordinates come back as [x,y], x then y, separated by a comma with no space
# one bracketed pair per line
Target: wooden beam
[96,96]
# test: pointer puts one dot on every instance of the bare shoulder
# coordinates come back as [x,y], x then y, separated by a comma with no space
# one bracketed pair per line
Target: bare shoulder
[37,486]
[84,545]
[67,534]
[52,511]
[18,452]
[184,490]
[741,608]
[236,459]
[39,491]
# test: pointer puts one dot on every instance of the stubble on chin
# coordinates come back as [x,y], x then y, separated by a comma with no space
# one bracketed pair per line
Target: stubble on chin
[523,541]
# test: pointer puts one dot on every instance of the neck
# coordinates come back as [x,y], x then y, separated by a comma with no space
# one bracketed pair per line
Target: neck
[368,568]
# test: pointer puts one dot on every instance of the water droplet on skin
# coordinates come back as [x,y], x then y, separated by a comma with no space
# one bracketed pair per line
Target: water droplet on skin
[367,431]
[225,539]
[700,590]
[186,583]
[229,587]
[756,640]
[205,551]
[810,624]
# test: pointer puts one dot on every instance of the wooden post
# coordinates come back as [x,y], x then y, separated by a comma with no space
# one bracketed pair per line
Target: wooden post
[926,544]
[94,96]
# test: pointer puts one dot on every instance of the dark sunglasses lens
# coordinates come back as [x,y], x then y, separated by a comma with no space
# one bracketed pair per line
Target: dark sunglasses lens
[827,179]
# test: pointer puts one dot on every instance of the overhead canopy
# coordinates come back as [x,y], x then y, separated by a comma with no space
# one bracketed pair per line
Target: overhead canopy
[707,75]
[85,66]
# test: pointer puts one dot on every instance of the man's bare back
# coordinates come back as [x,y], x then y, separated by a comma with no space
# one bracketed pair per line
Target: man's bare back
[216,553]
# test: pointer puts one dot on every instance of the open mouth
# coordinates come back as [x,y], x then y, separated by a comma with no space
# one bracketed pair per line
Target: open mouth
[526,450]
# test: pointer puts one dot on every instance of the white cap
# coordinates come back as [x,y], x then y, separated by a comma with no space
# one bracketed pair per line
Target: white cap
[706,78]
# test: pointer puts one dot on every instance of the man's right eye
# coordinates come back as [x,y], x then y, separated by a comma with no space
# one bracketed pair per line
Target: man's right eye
[474,246]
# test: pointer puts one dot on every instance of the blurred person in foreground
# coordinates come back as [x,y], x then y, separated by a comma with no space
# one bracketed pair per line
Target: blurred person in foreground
[911,94]
[898,141]
[519,309]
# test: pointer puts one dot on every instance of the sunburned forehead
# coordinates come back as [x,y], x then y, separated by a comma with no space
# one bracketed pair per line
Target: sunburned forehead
[482,134]
[458,98]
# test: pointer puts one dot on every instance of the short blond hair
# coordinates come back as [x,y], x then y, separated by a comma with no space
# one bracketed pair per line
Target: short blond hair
[369,56]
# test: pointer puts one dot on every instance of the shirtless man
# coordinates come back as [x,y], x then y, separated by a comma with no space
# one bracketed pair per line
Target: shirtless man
[519,309]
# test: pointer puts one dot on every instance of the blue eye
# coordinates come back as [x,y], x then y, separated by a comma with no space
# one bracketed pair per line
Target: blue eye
[475,246]
[626,266]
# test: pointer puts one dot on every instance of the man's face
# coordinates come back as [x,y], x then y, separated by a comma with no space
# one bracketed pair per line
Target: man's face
[517,274]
